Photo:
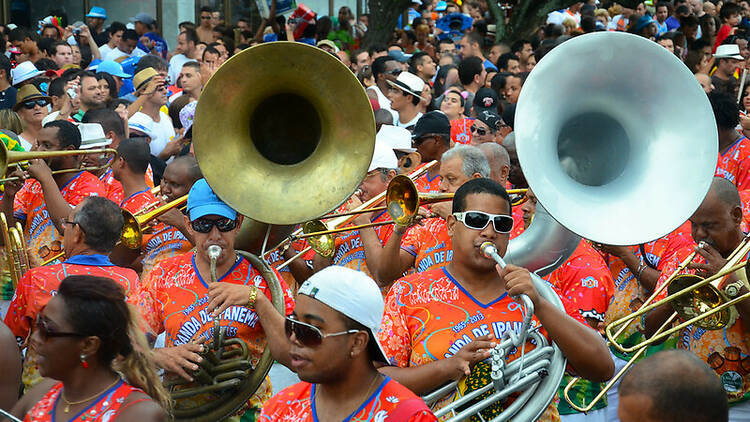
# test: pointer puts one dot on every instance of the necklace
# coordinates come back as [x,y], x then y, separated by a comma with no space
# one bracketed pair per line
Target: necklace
[72,403]
[372,384]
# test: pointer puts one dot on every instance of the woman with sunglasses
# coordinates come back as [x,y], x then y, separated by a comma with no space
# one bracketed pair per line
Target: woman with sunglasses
[31,107]
[440,325]
[179,298]
[89,341]
[333,350]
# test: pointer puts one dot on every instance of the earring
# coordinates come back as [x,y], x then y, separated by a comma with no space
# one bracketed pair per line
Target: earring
[83,362]
[351,354]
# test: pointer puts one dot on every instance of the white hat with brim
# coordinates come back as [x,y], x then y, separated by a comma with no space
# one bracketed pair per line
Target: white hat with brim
[398,138]
[728,51]
[409,83]
[351,293]
[92,136]
[383,157]
[141,123]
[24,71]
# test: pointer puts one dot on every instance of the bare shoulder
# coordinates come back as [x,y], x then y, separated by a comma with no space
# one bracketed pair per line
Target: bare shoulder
[32,397]
[139,407]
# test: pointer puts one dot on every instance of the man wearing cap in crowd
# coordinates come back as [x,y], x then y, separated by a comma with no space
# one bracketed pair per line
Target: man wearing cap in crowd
[148,40]
[431,138]
[151,98]
[486,127]
[95,21]
[328,45]
[728,59]
[399,139]
[405,94]
[23,73]
[44,200]
[426,245]
[31,107]
[358,249]
[180,298]
[333,333]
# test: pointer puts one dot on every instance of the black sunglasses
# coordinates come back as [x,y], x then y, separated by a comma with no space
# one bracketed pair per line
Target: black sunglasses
[45,332]
[478,220]
[204,225]
[309,335]
[394,72]
[29,105]
[480,131]
[206,17]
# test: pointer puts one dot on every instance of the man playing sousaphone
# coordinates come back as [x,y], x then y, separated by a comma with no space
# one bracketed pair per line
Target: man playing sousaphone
[41,203]
[178,297]
[440,324]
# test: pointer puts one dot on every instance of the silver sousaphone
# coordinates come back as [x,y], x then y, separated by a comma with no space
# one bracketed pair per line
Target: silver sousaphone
[609,164]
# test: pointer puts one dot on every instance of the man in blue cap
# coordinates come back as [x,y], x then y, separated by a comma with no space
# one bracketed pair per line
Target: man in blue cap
[95,20]
[148,40]
[180,298]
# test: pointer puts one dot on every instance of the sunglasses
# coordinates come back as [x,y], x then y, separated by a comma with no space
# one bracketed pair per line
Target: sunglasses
[394,72]
[29,105]
[205,17]
[45,332]
[204,225]
[307,334]
[480,131]
[478,220]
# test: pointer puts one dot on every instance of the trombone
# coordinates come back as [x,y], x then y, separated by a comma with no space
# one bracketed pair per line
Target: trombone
[8,158]
[134,227]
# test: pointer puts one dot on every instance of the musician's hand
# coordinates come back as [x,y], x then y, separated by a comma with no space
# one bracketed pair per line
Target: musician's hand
[518,281]
[442,209]
[178,359]
[172,217]
[38,169]
[224,295]
[12,187]
[714,261]
[618,251]
[476,351]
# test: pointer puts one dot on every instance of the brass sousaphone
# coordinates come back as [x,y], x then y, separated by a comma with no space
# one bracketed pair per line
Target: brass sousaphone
[283,133]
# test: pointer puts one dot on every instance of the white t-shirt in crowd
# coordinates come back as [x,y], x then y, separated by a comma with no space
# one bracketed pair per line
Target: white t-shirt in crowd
[116,53]
[412,122]
[161,132]
[105,49]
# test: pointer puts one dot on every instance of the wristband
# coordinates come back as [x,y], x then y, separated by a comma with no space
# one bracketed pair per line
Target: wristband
[640,271]
[251,297]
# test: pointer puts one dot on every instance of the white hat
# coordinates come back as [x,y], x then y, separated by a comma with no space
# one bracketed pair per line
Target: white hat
[398,138]
[23,72]
[352,293]
[409,83]
[92,136]
[728,51]
[141,123]
[383,157]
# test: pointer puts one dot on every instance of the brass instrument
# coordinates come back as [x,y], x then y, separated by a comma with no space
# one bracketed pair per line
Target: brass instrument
[9,158]
[243,110]
[535,374]
[602,150]
[133,228]
[14,251]
[226,369]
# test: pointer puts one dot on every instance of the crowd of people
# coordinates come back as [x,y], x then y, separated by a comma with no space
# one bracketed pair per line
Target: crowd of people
[394,311]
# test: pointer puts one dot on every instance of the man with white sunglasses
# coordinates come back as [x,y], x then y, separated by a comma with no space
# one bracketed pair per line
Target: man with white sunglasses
[440,324]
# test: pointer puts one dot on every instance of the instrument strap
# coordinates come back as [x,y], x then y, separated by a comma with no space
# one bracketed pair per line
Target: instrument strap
[648,262]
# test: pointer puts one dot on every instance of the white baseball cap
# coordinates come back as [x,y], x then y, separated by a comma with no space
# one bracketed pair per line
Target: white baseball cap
[352,293]
[92,136]
[398,138]
[24,71]
[142,123]
[383,157]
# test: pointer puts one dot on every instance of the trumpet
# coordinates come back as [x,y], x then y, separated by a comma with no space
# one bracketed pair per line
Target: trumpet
[17,261]
[8,158]
[133,228]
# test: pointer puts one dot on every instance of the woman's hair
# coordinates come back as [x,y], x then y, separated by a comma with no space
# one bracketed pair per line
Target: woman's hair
[439,86]
[96,307]
[9,120]
[111,85]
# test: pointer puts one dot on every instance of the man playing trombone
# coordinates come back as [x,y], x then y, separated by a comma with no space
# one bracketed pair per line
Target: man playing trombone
[716,228]
[41,204]
[440,324]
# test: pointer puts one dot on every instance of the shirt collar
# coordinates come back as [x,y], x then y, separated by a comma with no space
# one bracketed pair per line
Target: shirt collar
[95,260]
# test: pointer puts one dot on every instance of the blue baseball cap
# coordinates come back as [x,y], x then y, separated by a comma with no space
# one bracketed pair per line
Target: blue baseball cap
[203,201]
[113,68]
[128,65]
[97,12]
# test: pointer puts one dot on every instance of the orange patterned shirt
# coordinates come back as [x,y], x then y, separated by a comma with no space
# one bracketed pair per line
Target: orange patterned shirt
[429,243]
[461,130]
[426,185]
[113,188]
[42,238]
[734,164]
[174,299]
[350,252]
[296,404]
[430,316]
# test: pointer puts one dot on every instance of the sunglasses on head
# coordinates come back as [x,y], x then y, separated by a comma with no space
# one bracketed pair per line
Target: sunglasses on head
[204,225]
[45,332]
[29,105]
[309,335]
[478,220]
